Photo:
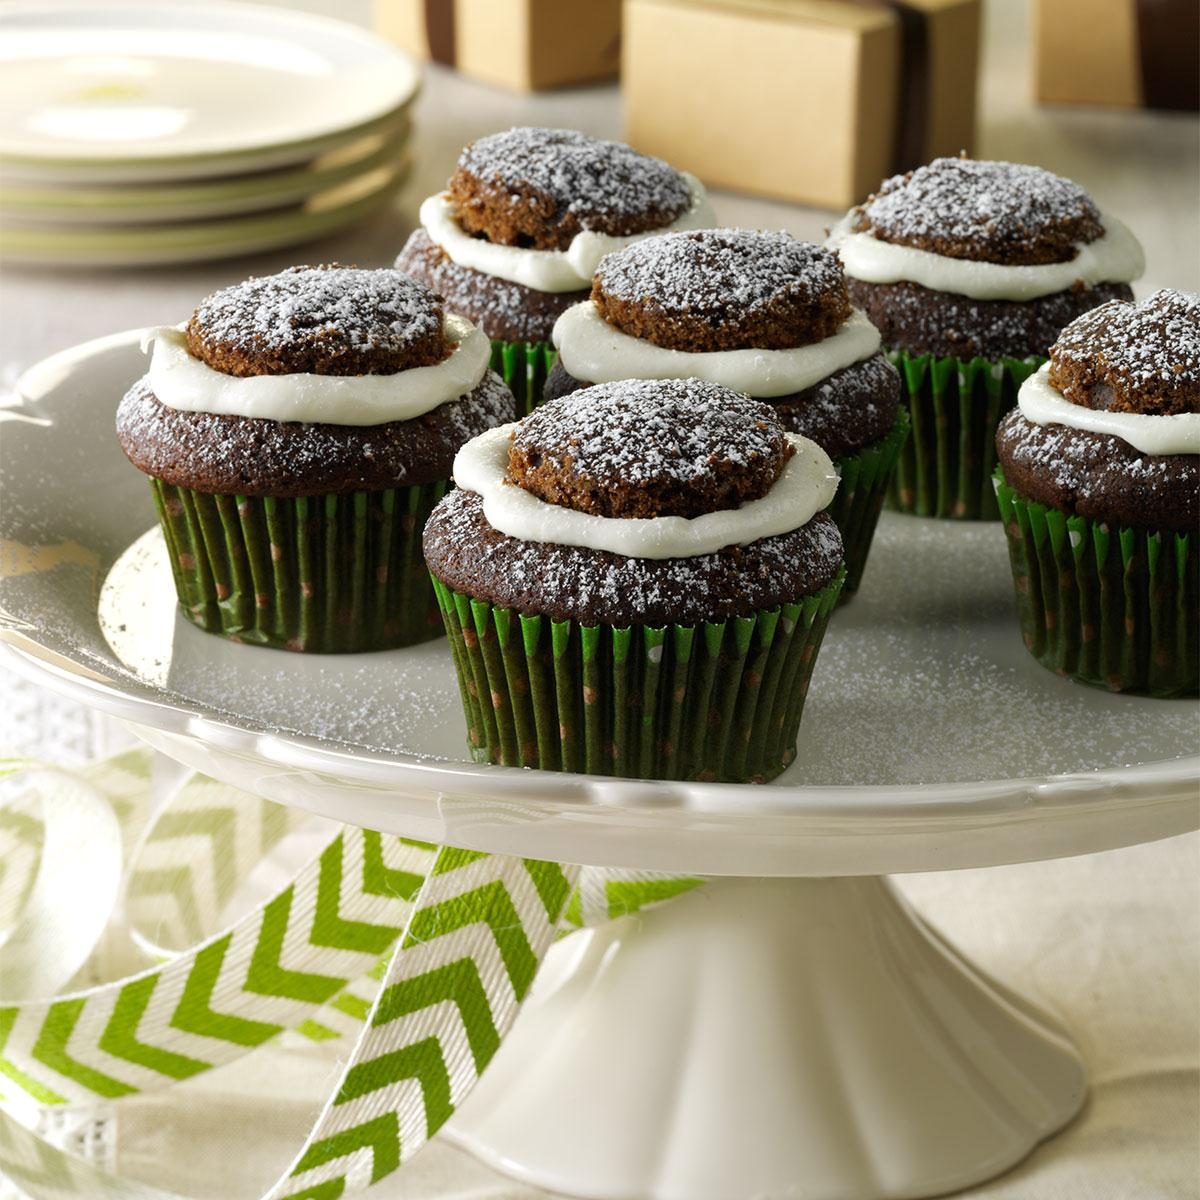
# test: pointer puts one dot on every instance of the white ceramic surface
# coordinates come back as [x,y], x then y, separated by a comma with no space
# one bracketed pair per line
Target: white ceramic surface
[147,80]
[41,204]
[930,739]
[769,1040]
[315,216]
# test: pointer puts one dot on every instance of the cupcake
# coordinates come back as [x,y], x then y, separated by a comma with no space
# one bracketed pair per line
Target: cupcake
[527,215]
[297,433]
[1099,488]
[970,269]
[635,581]
[763,314]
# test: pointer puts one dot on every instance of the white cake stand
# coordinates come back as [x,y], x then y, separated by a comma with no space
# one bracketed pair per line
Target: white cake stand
[790,1031]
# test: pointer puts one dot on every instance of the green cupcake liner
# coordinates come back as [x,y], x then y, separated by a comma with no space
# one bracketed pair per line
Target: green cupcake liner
[864,479]
[327,574]
[718,701]
[1108,605]
[945,470]
[524,367]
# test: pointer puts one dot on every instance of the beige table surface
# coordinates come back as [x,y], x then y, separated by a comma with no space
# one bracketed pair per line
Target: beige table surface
[1110,942]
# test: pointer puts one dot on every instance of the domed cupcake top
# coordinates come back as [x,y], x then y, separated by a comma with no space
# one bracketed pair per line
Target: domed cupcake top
[997,212]
[690,468]
[1134,358]
[325,320]
[538,188]
[1129,372]
[722,289]
[645,448]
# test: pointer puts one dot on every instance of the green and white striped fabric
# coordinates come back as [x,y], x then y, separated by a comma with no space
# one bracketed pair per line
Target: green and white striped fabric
[418,955]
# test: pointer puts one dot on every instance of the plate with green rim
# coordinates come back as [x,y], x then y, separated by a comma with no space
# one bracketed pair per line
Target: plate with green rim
[194,241]
[142,90]
[38,205]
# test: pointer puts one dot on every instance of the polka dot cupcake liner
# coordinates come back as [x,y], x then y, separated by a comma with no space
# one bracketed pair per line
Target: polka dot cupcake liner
[864,478]
[716,701]
[1107,605]
[945,469]
[325,574]
[524,367]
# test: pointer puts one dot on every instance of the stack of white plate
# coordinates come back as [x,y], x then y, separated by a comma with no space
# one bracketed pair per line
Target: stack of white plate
[153,131]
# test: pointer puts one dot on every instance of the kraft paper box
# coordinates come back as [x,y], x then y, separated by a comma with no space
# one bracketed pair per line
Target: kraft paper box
[527,45]
[808,100]
[1121,53]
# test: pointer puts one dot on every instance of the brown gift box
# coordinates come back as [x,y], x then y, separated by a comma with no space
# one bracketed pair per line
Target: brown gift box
[522,44]
[809,100]
[1124,53]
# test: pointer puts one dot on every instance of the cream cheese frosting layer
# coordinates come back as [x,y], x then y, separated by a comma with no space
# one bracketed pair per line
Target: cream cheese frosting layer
[590,349]
[546,270]
[1116,257]
[806,486]
[1150,433]
[182,381]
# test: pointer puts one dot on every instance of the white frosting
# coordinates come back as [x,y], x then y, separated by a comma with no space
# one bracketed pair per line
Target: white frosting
[1043,404]
[589,348]
[805,487]
[1115,257]
[181,381]
[546,270]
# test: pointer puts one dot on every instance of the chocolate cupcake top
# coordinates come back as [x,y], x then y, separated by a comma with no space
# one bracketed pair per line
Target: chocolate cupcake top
[649,449]
[985,230]
[539,208]
[1137,358]
[639,502]
[762,313]
[326,320]
[1109,428]
[319,379]
[722,289]
[538,188]
[325,345]
[759,312]
[997,212]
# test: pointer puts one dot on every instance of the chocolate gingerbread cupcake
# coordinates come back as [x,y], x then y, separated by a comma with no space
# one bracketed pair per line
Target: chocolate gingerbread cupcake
[970,269]
[761,313]
[1099,488]
[635,581]
[297,433]
[526,217]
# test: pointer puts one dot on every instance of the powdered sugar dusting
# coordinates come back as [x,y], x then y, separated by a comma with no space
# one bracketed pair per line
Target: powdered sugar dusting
[588,177]
[372,311]
[961,207]
[711,270]
[1150,346]
[649,432]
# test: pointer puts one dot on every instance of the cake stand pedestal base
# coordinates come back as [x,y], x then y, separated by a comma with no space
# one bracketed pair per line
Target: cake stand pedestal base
[763,1039]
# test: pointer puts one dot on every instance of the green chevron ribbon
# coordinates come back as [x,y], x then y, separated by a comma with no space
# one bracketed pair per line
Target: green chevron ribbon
[421,955]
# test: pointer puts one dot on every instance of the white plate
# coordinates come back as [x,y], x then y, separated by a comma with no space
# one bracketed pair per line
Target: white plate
[930,738]
[37,205]
[148,82]
[183,171]
[317,216]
